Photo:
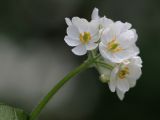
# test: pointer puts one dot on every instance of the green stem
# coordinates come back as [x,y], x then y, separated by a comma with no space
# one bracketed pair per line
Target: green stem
[47,98]
[104,65]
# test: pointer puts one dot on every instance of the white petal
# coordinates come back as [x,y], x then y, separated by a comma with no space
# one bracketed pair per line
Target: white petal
[78,21]
[120,94]
[117,27]
[135,33]
[68,21]
[73,32]
[123,85]
[113,82]
[106,54]
[133,50]
[79,50]
[95,14]
[120,27]
[93,27]
[81,23]
[71,41]
[127,39]
[135,72]
[136,60]
[134,76]
[107,35]
[91,46]
[132,82]
[105,22]
[126,54]
[102,49]
[112,85]
[127,26]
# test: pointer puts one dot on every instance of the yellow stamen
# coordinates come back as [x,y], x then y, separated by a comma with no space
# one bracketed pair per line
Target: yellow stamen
[122,73]
[85,37]
[114,46]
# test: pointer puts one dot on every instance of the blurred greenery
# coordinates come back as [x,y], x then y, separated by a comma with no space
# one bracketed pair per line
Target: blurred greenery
[29,23]
[10,113]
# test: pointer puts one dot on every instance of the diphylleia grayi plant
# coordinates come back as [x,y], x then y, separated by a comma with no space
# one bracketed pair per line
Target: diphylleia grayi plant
[111,49]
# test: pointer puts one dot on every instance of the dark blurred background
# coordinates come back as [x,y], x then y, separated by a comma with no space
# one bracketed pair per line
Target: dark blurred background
[34,57]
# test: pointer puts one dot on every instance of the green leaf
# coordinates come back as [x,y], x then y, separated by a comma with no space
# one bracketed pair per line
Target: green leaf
[10,113]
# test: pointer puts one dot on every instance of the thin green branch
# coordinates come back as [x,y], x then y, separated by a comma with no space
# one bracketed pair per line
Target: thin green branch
[103,64]
[51,93]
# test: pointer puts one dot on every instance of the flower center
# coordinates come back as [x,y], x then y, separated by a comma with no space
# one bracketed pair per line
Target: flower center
[122,73]
[85,37]
[114,46]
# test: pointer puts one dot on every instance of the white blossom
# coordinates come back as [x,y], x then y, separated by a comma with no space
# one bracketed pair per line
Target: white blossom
[125,75]
[118,42]
[118,64]
[82,35]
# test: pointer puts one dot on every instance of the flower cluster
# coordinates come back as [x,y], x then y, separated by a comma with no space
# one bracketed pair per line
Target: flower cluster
[119,64]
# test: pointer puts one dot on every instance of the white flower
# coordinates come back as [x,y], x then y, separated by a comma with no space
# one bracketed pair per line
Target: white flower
[82,35]
[124,76]
[118,42]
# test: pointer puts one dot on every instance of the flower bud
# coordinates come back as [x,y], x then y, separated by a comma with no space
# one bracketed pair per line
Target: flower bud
[104,78]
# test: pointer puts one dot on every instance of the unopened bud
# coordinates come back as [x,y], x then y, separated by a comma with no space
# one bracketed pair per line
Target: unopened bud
[104,78]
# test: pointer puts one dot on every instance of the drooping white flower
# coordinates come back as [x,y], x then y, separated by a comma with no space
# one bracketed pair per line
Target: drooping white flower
[118,42]
[82,35]
[124,76]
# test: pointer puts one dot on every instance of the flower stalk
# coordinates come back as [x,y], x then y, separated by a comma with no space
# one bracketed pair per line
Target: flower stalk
[55,89]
